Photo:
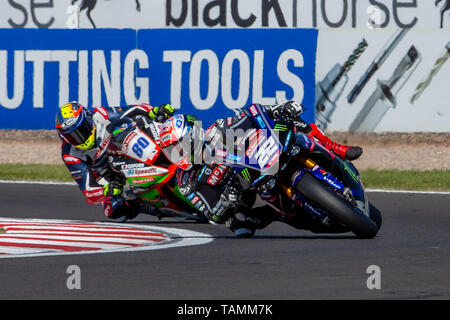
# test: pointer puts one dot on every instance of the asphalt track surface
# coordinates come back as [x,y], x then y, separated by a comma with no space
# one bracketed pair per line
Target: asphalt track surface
[411,249]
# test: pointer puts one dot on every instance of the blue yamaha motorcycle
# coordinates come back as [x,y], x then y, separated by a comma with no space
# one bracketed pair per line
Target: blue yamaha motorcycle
[310,187]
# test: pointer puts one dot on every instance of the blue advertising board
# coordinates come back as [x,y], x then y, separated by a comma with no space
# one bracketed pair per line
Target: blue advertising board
[206,72]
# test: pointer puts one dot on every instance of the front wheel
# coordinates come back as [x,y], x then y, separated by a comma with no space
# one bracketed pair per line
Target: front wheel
[338,208]
[375,215]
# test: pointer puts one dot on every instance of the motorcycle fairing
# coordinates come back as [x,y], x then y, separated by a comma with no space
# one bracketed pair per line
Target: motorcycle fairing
[133,144]
[344,170]
[139,146]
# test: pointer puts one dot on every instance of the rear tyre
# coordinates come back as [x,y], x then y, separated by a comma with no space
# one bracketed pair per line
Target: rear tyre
[337,207]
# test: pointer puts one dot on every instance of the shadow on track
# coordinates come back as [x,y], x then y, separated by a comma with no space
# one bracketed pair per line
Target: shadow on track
[282,237]
[255,237]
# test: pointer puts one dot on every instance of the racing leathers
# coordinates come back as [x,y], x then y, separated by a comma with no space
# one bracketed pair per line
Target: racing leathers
[213,188]
[89,167]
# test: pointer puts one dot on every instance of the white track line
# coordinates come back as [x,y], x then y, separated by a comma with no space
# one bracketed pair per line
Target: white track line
[408,191]
[39,182]
[367,190]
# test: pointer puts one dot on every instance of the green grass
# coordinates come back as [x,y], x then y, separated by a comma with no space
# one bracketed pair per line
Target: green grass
[436,180]
[431,180]
[36,172]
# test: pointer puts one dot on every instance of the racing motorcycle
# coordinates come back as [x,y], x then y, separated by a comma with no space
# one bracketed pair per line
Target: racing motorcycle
[136,156]
[309,186]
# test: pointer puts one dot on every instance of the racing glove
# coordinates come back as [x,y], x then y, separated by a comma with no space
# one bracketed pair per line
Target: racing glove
[112,189]
[229,201]
[161,113]
[230,197]
[289,110]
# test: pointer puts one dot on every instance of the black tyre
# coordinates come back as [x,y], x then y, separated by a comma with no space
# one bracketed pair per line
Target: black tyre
[375,215]
[322,196]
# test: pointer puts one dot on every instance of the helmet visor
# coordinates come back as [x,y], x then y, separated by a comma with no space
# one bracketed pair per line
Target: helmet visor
[81,133]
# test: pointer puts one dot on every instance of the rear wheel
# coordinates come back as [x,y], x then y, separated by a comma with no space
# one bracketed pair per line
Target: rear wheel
[323,197]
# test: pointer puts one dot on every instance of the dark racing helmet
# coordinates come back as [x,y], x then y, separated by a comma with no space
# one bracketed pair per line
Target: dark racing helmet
[75,125]
[182,139]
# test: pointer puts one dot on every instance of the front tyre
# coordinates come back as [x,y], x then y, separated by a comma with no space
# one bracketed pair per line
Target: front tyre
[338,208]
[375,215]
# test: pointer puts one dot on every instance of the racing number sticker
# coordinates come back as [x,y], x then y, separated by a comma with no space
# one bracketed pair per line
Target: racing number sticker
[143,148]
[138,147]
[264,153]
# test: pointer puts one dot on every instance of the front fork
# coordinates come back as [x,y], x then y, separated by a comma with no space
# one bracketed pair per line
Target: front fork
[321,174]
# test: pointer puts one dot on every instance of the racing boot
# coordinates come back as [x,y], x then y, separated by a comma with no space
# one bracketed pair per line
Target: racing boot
[241,226]
[245,225]
[119,209]
[345,152]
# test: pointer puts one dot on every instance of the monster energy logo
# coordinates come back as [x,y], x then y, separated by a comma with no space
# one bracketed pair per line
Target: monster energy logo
[246,174]
[350,171]
[192,118]
[280,127]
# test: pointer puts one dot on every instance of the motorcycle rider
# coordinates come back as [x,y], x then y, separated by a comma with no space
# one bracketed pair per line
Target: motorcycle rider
[85,136]
[211,186]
